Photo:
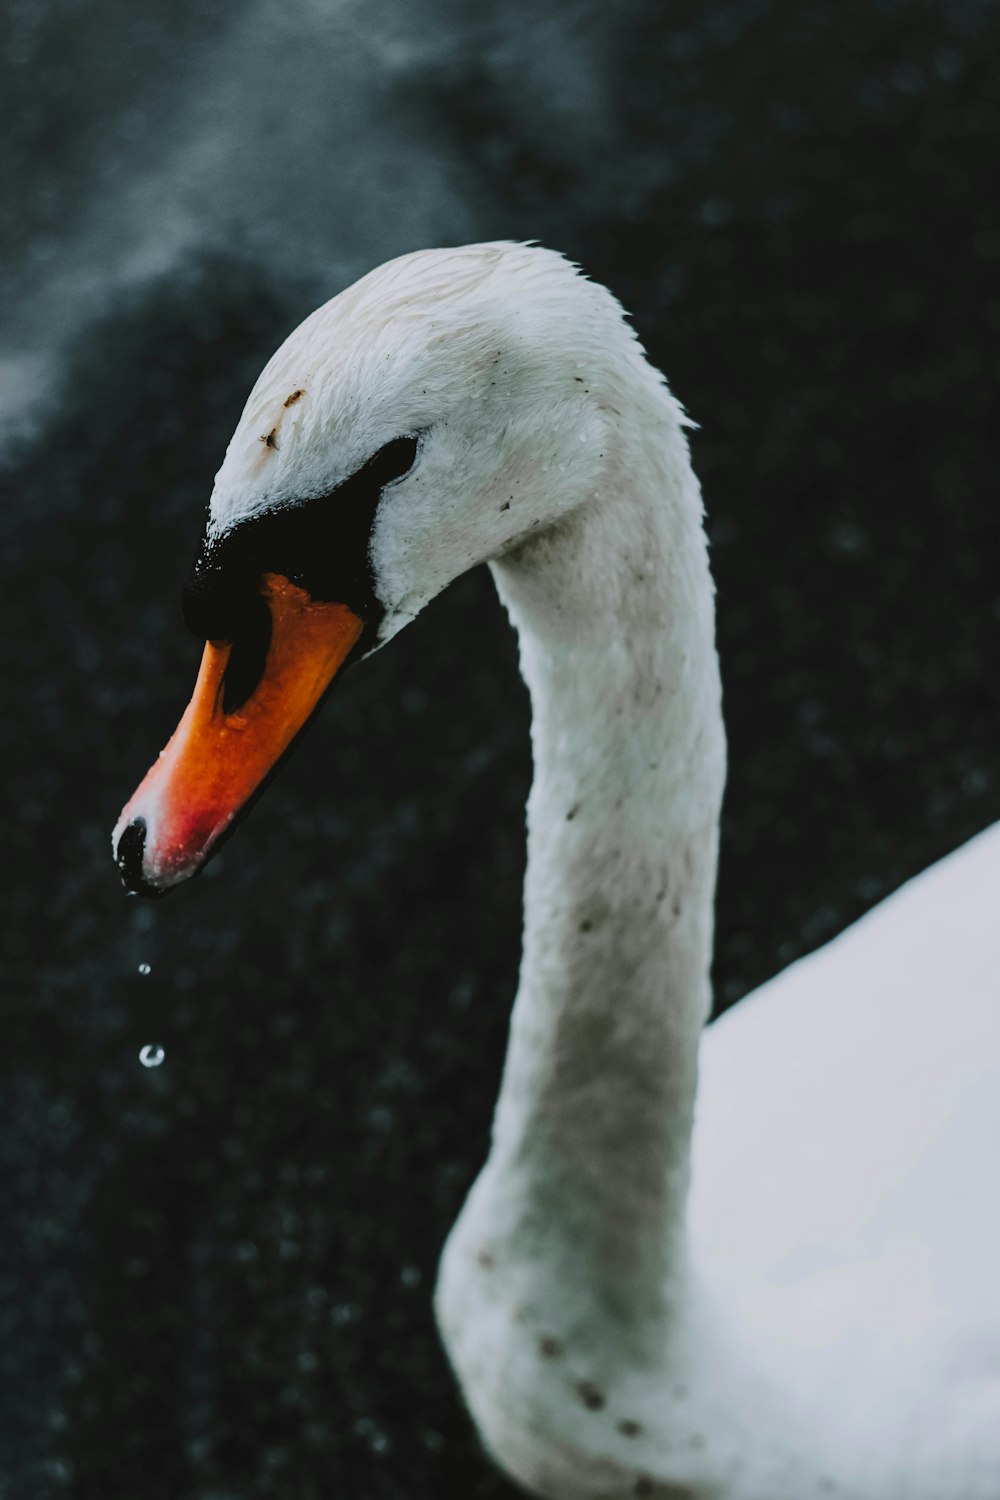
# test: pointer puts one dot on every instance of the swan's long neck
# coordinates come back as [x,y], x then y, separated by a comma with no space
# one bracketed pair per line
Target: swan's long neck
[588,1172]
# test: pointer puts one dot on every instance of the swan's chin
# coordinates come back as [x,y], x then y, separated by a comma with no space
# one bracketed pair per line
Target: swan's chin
[223,752]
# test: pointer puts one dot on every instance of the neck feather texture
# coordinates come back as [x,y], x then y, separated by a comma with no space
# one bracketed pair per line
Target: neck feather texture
[587,1177]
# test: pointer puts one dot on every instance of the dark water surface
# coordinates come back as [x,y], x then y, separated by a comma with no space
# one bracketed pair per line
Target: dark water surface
[215,1276]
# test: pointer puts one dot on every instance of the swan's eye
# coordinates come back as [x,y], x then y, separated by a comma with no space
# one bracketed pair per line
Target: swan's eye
[392,461]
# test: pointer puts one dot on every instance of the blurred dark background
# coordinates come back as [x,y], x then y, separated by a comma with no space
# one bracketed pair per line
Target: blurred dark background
[215,1277]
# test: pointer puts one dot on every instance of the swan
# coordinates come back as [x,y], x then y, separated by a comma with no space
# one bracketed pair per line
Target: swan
[753,1261]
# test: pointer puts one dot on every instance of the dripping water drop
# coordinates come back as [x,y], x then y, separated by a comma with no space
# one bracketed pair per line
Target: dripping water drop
[151,1056]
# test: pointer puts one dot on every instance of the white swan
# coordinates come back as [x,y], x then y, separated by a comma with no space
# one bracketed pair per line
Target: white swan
[820,1315]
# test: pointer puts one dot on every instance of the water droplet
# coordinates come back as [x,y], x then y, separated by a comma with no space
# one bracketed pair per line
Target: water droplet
[151,1056]
[144,969]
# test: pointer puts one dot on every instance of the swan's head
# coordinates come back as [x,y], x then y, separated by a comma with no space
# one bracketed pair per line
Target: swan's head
[444,408]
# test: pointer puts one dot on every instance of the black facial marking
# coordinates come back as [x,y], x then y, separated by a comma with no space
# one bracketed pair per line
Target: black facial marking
[322,545]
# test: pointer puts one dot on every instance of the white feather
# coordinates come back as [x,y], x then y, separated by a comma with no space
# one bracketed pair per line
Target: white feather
[822,1314]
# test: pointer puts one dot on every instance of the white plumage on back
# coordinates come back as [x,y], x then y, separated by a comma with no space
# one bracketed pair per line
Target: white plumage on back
[848,1120]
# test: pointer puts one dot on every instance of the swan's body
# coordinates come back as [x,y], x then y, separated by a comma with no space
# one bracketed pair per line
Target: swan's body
[821,1314]
[849,1115]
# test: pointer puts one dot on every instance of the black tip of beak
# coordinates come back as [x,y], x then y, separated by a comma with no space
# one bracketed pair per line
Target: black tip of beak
[131,847]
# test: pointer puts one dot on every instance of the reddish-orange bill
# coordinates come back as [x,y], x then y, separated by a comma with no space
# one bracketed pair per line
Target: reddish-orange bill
[215,760]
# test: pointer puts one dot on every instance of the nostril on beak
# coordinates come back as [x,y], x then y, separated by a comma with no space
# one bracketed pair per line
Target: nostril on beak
[247,657]
[131,847]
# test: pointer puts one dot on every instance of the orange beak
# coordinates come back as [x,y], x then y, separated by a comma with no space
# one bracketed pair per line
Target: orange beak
[216,759]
